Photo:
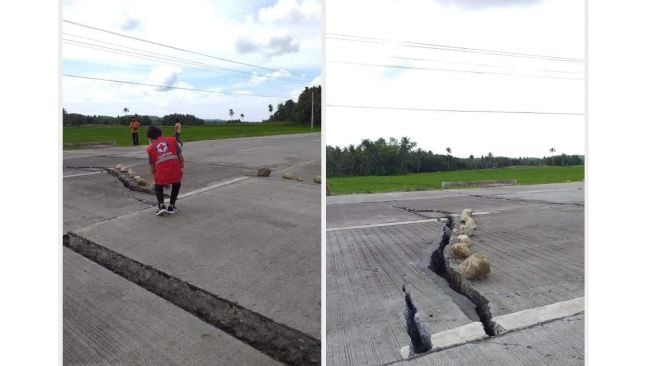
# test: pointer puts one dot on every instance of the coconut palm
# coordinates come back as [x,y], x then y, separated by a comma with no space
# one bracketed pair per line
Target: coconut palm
[448,156]
[231,113]
[242,116]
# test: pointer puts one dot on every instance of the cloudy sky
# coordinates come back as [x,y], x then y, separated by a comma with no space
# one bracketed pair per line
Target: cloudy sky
[276,46]
[424,72]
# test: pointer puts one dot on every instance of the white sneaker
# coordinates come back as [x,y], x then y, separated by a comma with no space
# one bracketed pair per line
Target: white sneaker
[161,211]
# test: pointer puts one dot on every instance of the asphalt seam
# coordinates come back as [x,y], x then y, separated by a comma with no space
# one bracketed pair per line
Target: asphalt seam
[276,340]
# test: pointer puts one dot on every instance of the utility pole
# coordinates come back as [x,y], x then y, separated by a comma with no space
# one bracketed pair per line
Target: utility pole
[312,109]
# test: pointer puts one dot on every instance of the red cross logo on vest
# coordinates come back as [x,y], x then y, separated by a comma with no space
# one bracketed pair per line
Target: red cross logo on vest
[161,147]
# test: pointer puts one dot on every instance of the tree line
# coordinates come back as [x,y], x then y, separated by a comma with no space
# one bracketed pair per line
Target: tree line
[300,112]
[395,157]
[76,119]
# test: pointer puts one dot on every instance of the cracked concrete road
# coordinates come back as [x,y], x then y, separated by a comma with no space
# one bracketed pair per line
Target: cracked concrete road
[251,241]
[532,235]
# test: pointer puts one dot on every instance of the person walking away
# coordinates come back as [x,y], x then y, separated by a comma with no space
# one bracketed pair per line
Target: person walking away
[133,126]
[178,131]
[167,167]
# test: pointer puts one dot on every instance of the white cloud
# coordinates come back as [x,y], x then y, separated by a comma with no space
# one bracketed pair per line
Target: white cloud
[129,24]
[275,46]
[165,76]
[257,78]
[291,11]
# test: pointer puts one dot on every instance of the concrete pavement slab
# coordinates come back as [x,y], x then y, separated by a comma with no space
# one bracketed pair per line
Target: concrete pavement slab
[255,242]
[365,214]
[108,321]
[89,199]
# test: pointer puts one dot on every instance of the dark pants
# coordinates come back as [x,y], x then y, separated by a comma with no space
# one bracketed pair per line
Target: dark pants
[177,137]
[158,189]
[135,138]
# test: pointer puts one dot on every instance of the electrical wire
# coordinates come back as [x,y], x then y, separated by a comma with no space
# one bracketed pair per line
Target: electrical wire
[174,87]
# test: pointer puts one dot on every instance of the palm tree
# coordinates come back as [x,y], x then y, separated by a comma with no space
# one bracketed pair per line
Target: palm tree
[489,157]
[242,116]
[231,113]
[552,150]
[448,156]
[270,108]
[126,110]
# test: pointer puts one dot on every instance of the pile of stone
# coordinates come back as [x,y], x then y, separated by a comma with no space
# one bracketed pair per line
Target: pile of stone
[475,265]
[131,174]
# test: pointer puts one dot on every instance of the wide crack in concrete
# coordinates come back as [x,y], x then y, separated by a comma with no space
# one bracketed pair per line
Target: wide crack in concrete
[280,342]
[440,265]
[420,337]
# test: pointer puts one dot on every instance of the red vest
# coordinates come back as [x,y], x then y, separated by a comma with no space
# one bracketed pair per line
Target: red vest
[163,154]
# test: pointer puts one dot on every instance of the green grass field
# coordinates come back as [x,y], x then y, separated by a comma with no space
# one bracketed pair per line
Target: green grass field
[427,181]
[122,135]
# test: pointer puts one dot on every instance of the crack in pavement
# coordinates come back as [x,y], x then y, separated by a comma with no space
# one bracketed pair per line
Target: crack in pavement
[279,341]
[544,202]
[440,265]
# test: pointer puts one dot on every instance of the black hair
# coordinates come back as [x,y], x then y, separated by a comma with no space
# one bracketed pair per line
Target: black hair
[153,132]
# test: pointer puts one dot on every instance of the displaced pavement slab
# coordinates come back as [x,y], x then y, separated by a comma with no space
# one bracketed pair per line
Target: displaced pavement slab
[108,320]
[560,342]
[536,255]
[365,271]
[255,242]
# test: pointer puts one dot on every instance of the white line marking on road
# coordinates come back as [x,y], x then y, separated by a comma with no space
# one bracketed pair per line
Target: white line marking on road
[379,225]
[452,337]
[81,174]
[399,223]
[510,322]
[213,186]
[529,317]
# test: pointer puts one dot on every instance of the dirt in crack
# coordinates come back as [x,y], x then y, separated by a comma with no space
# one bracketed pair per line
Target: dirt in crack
[278,341]
[440,265]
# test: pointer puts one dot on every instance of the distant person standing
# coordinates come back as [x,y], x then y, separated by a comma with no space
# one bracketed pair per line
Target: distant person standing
[133,126]
[178,131]
[167,167]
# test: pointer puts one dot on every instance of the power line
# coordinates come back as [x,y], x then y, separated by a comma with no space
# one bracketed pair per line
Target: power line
[352,38]
[173,87]
[452,110]
[450,70]
[477,64]
[161,57]
[168,46]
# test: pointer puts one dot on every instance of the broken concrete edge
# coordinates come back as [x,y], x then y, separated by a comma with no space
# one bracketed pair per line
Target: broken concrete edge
[440,264]
[129,185]
[450,338]
[543,314]
[278,341]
